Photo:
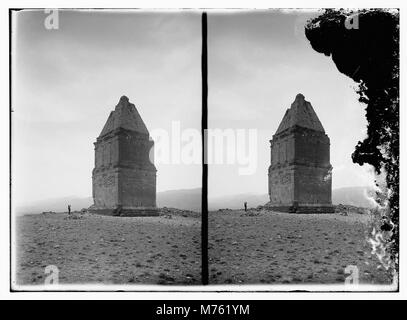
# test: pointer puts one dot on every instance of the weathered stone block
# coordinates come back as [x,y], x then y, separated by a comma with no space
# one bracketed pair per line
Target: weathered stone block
[124,177]
[300,171]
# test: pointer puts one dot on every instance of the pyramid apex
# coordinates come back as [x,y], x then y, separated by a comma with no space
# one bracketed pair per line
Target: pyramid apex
[123,99]
[124,116]
[300,114]
[299,97]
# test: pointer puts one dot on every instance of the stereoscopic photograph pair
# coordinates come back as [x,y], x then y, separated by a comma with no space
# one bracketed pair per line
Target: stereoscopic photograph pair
[203,149]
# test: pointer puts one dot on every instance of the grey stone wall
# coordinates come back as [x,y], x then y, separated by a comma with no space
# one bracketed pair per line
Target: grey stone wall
[105,192]
[137,188]
[313,185]
[281,186]
[300,170]
[124,175]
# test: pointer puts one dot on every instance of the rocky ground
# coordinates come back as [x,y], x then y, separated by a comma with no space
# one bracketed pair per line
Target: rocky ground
[259,246]
[96,249]
[251,247]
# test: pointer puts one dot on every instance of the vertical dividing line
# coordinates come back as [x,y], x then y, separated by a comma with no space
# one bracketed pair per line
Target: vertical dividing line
[10,24]
[204,126]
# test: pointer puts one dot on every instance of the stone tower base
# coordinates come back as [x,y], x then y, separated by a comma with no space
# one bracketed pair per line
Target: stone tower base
[327,208]
[127,212]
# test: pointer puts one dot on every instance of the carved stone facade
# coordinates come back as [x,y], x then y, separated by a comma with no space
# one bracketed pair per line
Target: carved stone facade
[124,177]
[299,177]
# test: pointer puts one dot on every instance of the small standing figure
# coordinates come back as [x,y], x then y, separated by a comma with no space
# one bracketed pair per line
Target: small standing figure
[245,206]
[69,209]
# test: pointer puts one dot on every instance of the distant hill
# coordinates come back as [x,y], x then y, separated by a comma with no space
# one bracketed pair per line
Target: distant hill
[237,201]
[55,204]
[355,196]
[190,199]
[186,199]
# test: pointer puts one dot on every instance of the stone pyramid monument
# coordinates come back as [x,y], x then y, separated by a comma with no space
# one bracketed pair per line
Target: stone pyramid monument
[124,177]
[299,176]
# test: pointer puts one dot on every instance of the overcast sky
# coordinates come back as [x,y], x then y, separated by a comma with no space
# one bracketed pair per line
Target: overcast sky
[258,63]
[67,81]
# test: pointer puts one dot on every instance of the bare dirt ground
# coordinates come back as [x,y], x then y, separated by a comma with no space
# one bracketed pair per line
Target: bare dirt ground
[109,250]
[275,248]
